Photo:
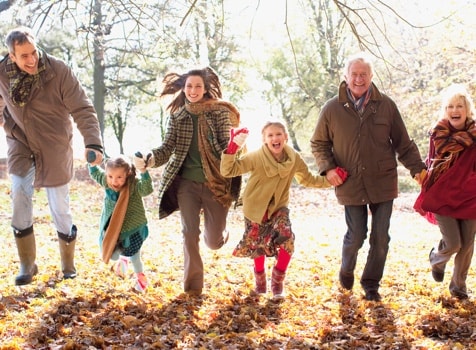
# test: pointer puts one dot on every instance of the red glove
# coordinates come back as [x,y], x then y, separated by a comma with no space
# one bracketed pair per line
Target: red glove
[342,173]
[237,139]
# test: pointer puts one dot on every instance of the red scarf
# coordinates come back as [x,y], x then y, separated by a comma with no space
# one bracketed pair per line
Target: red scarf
[450,187]
[449,143]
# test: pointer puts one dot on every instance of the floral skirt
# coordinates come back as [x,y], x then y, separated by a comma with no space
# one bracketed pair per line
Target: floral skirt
[265,239]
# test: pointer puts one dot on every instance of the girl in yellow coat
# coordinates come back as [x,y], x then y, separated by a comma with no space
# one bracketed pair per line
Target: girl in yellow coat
[268,230]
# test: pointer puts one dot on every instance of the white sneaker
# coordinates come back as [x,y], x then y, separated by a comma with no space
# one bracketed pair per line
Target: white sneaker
[141,282]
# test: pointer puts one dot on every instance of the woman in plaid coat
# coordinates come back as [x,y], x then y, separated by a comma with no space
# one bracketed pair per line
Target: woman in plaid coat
[197,133]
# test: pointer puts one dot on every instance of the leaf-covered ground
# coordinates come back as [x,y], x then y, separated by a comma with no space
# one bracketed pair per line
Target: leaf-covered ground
[98,310]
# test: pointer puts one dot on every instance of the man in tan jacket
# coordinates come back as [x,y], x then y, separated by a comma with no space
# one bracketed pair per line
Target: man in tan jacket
[39,95]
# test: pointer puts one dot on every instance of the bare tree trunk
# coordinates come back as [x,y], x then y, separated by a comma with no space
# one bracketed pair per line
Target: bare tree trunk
[99,65]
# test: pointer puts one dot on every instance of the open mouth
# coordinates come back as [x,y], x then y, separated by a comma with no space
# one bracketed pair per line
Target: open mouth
[30,68]
[193,97]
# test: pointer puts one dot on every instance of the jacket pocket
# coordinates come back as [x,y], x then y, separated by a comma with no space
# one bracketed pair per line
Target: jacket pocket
[387,164]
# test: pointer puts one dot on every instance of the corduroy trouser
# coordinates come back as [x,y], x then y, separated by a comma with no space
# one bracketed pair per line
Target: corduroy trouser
[193,197]
[457,237]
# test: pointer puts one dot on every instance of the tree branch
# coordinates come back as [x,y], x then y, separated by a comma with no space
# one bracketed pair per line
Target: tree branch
[188,12]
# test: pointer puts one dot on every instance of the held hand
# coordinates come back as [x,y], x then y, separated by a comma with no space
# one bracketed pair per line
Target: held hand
[420,177]
[142,163]
[342,173]
[238,137]
[93,157]
[337,176]
[139,162]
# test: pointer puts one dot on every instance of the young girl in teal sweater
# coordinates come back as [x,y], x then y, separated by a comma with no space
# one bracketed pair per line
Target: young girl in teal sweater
[123,224]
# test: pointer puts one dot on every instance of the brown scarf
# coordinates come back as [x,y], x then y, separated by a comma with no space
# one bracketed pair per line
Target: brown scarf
[214,105]
[115,224]
[21,82]
[449,143]
[219,185]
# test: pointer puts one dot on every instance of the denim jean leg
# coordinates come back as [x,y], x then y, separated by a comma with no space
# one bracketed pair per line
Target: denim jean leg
[379,243]
[356,219]
[58,199]
[22,200]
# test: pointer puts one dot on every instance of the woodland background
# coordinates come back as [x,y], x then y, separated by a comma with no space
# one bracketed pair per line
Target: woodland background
[279,59]
[276,58]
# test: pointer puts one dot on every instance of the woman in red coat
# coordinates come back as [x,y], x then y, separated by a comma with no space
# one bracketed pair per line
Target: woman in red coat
[449,189]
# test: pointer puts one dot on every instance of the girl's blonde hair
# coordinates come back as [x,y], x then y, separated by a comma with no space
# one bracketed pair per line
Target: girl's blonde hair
[276,124]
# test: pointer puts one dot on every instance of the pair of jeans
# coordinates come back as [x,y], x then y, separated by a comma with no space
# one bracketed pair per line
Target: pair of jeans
[193,197]
[356,217]
[22,203]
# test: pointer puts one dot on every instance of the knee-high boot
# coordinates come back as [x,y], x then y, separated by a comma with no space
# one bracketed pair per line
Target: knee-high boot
[26,246]
[260,282]
[67,244]
[277,283]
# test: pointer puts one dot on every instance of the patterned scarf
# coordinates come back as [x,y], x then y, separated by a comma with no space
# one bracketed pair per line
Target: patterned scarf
[210,105]
[22,82]
[210,158]
[449,143]
[361,102]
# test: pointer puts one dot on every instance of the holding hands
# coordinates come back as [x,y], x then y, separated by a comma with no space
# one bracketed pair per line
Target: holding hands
[420,177]
[142,163]
[93,156]
[238,138]
[337,176]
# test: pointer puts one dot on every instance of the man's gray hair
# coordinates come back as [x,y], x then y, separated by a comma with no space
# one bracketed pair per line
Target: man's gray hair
[19,36]
[359,57]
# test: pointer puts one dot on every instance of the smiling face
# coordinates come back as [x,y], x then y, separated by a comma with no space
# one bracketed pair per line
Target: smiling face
[26,57]
[194,88]
[456,112]
[358,78]
[275,137]
[116,178]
